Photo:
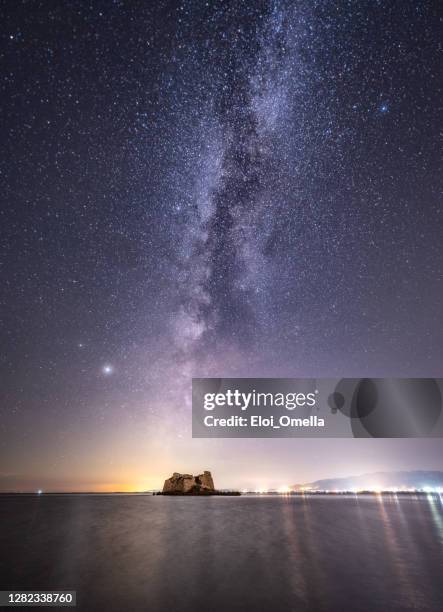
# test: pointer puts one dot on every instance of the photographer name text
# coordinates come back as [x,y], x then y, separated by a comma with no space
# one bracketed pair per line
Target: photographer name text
[283,421]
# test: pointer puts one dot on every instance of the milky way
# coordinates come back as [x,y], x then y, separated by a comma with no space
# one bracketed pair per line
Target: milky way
[221,188]
[302,238]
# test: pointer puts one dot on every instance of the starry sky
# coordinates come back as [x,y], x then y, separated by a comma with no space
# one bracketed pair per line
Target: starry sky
[219,189]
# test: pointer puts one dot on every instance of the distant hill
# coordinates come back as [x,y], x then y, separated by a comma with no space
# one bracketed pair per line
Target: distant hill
[415,479]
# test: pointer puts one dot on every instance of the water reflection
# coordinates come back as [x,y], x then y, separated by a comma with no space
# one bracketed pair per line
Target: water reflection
[221,554]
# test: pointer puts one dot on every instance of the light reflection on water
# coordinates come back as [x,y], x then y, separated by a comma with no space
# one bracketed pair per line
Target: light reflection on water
[248,553]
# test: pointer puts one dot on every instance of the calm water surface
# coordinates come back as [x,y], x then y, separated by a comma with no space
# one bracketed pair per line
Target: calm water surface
[226,553]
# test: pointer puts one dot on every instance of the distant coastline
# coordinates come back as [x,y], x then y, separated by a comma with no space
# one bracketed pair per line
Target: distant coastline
[405,483]
[418,493]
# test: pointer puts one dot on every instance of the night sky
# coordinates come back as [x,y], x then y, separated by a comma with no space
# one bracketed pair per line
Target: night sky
[211,188]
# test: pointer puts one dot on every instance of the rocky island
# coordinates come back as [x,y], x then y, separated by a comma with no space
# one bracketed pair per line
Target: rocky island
[187,484]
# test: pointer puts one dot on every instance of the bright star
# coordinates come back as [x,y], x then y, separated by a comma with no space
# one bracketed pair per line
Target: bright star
[107,369]
[384,108]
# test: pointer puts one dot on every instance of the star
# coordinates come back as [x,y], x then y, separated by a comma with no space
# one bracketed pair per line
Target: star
[107,369]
